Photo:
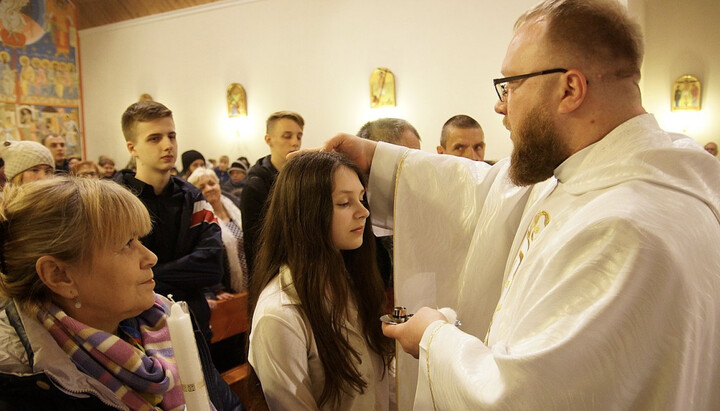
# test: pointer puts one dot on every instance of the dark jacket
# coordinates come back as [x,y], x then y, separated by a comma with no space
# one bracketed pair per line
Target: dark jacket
[186,239]
[35,390]
[253,204]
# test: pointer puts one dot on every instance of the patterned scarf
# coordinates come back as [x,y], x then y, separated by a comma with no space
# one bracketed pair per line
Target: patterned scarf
[142,380]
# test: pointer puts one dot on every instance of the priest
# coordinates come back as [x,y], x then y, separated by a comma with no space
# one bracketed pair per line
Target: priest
[583,268]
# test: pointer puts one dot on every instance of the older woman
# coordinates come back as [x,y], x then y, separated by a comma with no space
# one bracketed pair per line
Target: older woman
[80,326]
[86,169]
[231,224]
[26,161]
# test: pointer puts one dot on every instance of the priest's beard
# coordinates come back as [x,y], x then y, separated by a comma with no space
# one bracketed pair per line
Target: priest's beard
[537,151]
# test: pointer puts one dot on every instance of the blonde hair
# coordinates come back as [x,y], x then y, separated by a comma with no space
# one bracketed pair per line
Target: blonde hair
[279,115]
[67,218]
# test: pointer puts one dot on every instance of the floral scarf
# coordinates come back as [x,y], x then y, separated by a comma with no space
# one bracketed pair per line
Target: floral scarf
[143,374]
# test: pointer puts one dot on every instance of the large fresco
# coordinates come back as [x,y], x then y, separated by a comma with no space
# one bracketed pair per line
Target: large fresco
[39,72]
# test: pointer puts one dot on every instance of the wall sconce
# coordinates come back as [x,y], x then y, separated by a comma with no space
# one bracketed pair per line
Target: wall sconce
[686,93]
[145,97]
[236,100]
[382,88]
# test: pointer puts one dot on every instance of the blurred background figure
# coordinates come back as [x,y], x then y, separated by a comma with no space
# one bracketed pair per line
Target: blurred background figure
[87,169]
[26,161]
[222,169]
[237,172]
[391,130]
[191,160]
[107,165]
[72,160]
[235,276]
[56,144]
[712,148]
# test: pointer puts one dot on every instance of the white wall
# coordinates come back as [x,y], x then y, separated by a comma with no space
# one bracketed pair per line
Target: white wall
[316,56]
[311,56]
[682,37]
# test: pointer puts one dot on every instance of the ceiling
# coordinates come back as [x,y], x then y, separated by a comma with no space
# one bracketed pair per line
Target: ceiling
[95,13]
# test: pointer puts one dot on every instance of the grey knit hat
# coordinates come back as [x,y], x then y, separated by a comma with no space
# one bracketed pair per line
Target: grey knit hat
[22,155]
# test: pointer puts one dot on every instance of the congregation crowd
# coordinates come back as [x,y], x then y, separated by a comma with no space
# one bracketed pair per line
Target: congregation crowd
[578,272]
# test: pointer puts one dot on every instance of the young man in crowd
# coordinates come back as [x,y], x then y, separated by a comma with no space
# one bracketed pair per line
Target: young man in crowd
[185,234]
[56,144]
[284,131]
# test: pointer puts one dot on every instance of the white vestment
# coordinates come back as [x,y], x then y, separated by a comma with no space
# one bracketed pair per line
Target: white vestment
[596,289]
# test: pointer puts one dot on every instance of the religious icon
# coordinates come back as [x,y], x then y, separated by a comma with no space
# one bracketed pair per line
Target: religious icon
[686,93]
[382,88]
[236,100]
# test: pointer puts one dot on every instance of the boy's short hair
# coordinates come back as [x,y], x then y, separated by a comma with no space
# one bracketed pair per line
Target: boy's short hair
[284,114]
[141,111]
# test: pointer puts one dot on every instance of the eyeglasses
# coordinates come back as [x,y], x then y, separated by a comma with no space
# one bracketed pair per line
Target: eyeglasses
[501,83]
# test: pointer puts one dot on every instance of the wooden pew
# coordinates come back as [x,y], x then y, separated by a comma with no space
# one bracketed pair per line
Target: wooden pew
[227,319]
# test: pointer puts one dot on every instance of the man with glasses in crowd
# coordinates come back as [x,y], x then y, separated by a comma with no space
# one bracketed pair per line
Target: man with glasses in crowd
[580,267]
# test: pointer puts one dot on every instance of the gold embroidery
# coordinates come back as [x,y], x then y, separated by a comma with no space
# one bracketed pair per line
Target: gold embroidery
[534,228]
[427,364]
[538,223]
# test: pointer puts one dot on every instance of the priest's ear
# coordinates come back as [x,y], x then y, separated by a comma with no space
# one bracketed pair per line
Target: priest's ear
[54,274]
[575,88]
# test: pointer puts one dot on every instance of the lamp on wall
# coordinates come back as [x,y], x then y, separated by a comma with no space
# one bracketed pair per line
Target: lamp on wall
[236,100]
[382,88]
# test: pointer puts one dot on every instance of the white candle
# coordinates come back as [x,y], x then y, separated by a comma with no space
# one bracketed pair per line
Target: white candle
[187,358]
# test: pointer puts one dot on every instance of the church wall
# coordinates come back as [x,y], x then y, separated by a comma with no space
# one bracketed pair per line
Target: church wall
[683,38]
[311,56]
[316,56]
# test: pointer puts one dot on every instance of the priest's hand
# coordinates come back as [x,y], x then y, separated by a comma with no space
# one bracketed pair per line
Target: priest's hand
[359,150]
[409,333]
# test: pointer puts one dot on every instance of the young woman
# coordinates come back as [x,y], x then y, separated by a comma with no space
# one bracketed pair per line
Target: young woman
[80,325]
[316,340]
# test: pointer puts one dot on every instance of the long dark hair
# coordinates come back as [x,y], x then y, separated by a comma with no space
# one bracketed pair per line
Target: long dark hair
[296,232]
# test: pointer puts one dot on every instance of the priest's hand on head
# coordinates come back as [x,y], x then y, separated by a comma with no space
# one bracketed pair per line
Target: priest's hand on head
[359,150]
[409,333]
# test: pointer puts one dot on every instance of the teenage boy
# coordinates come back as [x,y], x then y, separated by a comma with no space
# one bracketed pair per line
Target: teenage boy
[185,234]
[284,131]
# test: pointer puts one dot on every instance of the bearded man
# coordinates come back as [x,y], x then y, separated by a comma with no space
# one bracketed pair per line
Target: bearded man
[580,268]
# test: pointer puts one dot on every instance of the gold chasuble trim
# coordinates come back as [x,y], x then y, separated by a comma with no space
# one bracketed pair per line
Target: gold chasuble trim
[542,217]
[398,348]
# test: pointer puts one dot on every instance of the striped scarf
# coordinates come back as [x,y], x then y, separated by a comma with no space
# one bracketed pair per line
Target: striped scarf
[142,380]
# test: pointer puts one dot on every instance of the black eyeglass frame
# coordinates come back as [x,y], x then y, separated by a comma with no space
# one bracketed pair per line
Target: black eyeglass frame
[503,81]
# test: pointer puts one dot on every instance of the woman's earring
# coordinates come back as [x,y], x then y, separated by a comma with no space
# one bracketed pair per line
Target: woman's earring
[78,304]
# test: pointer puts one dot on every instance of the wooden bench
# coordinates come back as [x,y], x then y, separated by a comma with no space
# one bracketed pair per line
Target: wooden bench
[227,319]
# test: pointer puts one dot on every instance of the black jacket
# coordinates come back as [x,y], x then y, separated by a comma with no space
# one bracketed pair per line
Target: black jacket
[253,204]
[188,246]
